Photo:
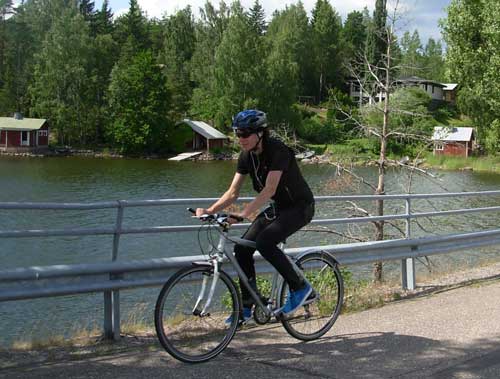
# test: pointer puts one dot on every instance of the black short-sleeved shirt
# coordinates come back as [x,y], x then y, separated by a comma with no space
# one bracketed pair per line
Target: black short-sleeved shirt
[276,156]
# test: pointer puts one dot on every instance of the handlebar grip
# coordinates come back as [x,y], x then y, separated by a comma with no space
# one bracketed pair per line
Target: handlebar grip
[191,210]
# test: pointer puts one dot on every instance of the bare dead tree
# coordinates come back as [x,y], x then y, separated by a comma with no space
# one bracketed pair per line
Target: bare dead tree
[376,84]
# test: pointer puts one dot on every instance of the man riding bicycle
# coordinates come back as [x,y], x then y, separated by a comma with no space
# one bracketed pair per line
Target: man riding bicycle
[275,176]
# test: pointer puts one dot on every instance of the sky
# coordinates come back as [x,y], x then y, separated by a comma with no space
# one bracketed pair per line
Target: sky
[422,15]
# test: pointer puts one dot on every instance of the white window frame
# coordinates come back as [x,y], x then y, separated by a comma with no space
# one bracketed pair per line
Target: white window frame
[439,146]
[23,143]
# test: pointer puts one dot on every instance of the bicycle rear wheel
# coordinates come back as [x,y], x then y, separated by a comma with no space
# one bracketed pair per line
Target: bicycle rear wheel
[185,333]
[313,320]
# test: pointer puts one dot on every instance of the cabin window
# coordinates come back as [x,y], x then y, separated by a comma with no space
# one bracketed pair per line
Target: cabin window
[439,146]
[42,133]
[25,138]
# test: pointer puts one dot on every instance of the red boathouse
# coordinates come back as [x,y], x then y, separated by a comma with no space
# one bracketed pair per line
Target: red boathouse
[19,134]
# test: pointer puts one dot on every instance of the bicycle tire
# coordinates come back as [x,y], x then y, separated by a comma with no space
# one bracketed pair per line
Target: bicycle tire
[185,335]
[313,320]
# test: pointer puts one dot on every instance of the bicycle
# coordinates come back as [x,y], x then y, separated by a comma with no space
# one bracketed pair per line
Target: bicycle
[195,325]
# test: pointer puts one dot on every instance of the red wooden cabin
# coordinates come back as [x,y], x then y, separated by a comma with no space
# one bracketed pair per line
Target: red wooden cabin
[19,134]
[454,141]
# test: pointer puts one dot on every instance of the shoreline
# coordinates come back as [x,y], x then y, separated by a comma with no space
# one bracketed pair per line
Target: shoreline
[486,164]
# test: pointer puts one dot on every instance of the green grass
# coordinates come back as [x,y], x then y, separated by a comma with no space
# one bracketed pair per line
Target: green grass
[356,150]
[487,163]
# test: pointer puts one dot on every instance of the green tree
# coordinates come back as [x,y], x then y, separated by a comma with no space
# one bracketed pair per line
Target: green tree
[376,42]
[354,35]
[257,18]
[17,64]
[326,28]
[132,30]
[88,12]
[104,55]
[209,33]
[287,64]
[6,8]
[104,19]
[138,104]
[473,60]
[179,43]
[434,68]
[238,68]
[60,87]
[412,60]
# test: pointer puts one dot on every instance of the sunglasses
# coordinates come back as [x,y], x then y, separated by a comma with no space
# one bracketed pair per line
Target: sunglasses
[243,133]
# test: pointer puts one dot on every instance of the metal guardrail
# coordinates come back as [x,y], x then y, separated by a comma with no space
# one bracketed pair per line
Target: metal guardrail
[406,249]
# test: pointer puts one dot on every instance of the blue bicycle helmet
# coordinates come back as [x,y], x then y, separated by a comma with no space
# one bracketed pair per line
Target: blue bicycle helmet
[250,119]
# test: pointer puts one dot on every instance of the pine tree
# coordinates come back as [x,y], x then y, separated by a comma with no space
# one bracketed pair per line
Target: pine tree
[354,32]
[257,18]
[376,42]
[6,8]
[412,60]
[434,61]
[104,19]
[87,9]
[326,28]
[132,30]
[354,38]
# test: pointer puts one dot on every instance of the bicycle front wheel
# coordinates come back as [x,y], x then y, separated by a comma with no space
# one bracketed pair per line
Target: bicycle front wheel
[313,320]
[188,329]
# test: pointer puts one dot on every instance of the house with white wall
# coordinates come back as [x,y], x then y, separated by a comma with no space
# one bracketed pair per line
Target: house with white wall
[437,91]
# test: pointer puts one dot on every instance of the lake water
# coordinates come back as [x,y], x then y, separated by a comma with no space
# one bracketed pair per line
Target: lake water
[90,180]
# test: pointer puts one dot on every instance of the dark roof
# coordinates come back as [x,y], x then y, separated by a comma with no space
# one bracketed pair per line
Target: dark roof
[417,80]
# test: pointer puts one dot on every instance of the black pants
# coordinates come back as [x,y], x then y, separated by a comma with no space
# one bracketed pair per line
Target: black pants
[268,233]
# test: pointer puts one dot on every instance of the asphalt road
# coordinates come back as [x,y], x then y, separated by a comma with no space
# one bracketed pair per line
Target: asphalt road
[450,334]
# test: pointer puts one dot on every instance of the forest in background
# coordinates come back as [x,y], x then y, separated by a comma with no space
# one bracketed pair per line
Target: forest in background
[124,82]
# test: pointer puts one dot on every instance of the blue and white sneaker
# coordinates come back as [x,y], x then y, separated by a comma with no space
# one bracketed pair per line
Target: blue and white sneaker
[296,299]
[247,316]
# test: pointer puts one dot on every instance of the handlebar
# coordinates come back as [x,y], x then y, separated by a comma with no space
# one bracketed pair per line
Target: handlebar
[220,218]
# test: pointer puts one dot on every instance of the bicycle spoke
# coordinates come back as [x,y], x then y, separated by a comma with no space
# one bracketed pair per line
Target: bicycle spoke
[187,335]
[317,317]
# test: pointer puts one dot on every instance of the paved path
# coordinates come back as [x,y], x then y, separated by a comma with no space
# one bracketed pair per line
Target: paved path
[451,334]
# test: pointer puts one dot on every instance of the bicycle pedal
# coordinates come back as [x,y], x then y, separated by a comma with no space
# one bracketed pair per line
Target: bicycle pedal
[247,323]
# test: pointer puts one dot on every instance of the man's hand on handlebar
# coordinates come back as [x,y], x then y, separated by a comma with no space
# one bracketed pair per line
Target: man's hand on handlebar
[204,215]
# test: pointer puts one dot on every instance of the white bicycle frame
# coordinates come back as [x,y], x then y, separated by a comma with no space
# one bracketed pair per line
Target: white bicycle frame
[216,260]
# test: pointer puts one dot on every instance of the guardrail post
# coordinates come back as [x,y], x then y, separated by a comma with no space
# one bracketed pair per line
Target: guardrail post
[112,298]
[408,280]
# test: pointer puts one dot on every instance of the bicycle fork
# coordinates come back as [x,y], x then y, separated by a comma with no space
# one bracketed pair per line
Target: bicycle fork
[204,312]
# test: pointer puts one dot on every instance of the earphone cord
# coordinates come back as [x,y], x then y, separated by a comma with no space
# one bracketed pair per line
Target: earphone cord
[256,171]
